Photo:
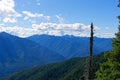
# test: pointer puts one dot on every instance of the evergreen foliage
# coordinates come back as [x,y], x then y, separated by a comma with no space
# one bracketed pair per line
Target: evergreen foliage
[110,70]
[68,70]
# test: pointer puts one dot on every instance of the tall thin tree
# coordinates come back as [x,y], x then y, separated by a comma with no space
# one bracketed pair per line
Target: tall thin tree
[91,53]
[88,67]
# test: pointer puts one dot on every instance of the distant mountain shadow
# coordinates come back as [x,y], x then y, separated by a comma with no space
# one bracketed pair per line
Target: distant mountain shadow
[19,53]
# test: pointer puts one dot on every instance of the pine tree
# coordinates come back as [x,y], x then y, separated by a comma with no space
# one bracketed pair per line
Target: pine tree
[110,70]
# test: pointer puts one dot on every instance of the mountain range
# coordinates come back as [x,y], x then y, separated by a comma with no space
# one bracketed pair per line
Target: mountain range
[17,53]
[20,53]
[71,46]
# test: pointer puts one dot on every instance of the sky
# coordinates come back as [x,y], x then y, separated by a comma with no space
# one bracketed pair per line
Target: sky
[59,17]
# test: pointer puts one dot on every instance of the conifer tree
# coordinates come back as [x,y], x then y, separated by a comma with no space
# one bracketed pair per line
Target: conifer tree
[110,70]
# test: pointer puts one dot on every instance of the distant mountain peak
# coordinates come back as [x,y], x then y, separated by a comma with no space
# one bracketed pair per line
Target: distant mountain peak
[3,32]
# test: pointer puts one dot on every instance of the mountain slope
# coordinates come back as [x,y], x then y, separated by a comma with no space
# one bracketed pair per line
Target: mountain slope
[72,69]
[18,53]
[70,46]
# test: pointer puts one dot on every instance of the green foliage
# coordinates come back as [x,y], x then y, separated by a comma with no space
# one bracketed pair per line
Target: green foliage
[110,70]
[72,69]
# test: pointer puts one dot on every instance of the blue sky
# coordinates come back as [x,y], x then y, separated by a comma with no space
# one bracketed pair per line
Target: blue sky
[59,17]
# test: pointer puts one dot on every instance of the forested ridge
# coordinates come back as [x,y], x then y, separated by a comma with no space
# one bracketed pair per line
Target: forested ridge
[72,69]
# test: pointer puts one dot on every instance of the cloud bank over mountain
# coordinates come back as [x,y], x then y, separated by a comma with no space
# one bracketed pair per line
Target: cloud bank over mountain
[76,29]
[40,23]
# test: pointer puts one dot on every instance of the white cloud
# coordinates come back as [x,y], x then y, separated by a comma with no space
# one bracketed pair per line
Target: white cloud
[8,14]
[29,15]
[19,31]
[2,24]
[65,27]
[9,20]
[75,29]
[105,35]
[7,11]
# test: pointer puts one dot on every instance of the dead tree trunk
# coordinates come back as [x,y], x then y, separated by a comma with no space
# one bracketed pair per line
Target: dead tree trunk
[91,53]
[88,67]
